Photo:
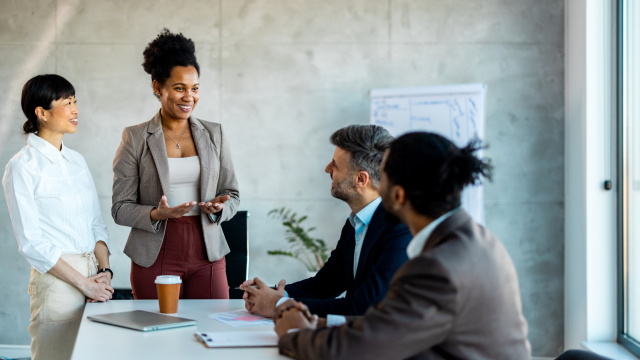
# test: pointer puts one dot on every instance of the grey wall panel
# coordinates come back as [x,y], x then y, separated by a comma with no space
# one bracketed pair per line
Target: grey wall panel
[123,21]
[477,21]
[292,21]
[533,232]
[26,21]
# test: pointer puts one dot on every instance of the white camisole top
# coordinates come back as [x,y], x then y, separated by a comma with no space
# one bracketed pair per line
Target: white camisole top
[184,179]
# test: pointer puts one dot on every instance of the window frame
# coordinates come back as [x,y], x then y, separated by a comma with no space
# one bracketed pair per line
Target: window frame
[625,340]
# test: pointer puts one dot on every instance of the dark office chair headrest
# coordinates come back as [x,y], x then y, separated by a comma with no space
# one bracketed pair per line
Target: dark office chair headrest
[580,355]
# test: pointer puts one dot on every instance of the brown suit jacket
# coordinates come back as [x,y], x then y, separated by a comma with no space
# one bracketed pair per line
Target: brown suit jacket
[141,177]
[459,299]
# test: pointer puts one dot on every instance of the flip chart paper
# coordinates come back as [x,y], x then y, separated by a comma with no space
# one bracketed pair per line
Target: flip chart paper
[453,111]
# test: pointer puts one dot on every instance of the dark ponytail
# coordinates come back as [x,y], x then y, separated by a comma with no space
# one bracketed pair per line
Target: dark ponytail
[41,91]
[433,171]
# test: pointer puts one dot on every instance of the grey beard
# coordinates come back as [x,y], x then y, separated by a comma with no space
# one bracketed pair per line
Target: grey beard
[344,192]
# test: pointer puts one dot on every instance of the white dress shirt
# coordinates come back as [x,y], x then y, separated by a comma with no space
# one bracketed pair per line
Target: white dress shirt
[53,203]
[417,243]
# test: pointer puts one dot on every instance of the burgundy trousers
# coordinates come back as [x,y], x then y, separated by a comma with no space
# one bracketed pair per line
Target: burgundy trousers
[183,253]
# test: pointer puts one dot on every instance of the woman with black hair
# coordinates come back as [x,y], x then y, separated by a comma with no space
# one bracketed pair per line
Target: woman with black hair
[56,219]
[174,182]
[457,297]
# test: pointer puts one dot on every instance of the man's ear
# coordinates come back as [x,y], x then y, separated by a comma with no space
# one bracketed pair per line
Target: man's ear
[399,197]
[362,179]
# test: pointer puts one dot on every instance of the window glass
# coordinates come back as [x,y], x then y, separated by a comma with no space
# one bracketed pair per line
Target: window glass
[630,22]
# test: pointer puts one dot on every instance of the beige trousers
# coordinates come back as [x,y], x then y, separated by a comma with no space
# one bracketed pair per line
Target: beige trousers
[56,309]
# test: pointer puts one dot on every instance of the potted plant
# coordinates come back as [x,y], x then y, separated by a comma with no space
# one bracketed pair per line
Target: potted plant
[309,251]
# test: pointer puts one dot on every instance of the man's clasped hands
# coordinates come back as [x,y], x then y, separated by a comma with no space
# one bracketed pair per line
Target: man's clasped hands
[289,316]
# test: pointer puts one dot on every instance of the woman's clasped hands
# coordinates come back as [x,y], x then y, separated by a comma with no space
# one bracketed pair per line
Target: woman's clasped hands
[97,288]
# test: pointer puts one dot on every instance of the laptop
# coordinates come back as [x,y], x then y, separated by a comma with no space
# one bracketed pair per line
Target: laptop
[142,320]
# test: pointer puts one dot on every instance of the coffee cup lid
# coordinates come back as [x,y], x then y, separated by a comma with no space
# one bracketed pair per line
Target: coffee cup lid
[168,279]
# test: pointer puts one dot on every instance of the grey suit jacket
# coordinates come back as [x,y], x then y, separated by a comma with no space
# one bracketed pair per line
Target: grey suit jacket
[459,299]
[141,177]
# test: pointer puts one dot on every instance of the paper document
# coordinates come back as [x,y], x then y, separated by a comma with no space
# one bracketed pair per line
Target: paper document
[241,318]
[238,339]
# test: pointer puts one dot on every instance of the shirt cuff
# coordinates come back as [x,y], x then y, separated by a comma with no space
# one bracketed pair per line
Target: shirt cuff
[282,299]
[43,266]
[155,225]
[336,320]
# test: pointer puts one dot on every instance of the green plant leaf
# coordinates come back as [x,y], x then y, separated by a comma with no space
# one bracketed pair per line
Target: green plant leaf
[280,252]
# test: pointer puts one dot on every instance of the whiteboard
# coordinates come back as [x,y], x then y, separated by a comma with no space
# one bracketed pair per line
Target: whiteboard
[453,111]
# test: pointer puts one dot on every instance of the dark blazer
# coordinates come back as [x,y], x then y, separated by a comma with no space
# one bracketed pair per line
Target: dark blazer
[141,177]
[384,250]
[459,299]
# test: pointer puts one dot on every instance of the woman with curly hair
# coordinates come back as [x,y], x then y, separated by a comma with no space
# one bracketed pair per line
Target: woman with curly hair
[174,182]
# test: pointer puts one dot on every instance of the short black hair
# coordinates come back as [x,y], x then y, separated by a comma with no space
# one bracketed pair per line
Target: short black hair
[167,51]
[433,171]
[41,91]
[366,144]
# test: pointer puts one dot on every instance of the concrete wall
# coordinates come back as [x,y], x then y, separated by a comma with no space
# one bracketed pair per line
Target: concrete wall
[281,76]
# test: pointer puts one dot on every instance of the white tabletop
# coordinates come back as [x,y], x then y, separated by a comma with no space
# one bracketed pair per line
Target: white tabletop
[98,341]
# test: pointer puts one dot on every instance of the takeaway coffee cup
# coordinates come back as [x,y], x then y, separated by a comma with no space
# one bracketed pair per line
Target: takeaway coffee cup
[168,287]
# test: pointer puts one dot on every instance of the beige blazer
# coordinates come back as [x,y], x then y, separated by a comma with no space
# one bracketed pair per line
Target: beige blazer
[459,299]
[141,177]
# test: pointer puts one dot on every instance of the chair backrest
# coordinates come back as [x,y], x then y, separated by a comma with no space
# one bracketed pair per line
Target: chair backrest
[580,355]
[236,231]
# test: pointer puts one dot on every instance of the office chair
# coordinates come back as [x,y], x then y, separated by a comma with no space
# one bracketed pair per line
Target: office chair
[580,355]
[236,231]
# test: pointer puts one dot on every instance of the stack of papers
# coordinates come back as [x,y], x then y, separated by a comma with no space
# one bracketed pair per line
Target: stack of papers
[241,318]
[238,339]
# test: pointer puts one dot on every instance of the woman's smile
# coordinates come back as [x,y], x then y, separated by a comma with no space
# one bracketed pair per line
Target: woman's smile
[185,108]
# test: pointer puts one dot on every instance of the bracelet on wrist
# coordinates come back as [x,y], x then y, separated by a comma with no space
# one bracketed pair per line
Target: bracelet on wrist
[106,270]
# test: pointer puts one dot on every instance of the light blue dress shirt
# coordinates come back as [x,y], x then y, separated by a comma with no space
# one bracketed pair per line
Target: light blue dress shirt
[360,223]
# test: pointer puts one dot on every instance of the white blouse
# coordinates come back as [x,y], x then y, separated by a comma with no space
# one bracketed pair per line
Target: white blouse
[53,203]
[184,182]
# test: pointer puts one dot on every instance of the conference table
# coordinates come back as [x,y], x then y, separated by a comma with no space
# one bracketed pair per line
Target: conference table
[98,341]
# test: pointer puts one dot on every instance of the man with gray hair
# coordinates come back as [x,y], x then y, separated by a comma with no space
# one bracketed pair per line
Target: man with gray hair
[369,250]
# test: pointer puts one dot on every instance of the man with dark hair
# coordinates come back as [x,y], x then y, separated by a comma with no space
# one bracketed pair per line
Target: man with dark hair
[369,251]
[456,298]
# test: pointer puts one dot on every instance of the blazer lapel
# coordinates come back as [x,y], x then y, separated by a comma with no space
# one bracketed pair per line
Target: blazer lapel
[349,241]
[205,153]
[159,151]
[373,232]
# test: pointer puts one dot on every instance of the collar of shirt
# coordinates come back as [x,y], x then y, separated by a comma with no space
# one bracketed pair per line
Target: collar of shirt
[47,149]
[417,243]
[365,215]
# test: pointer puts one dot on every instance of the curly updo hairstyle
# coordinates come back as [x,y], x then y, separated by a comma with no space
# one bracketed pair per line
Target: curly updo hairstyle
[433,171]
[42,91]
[167,51]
